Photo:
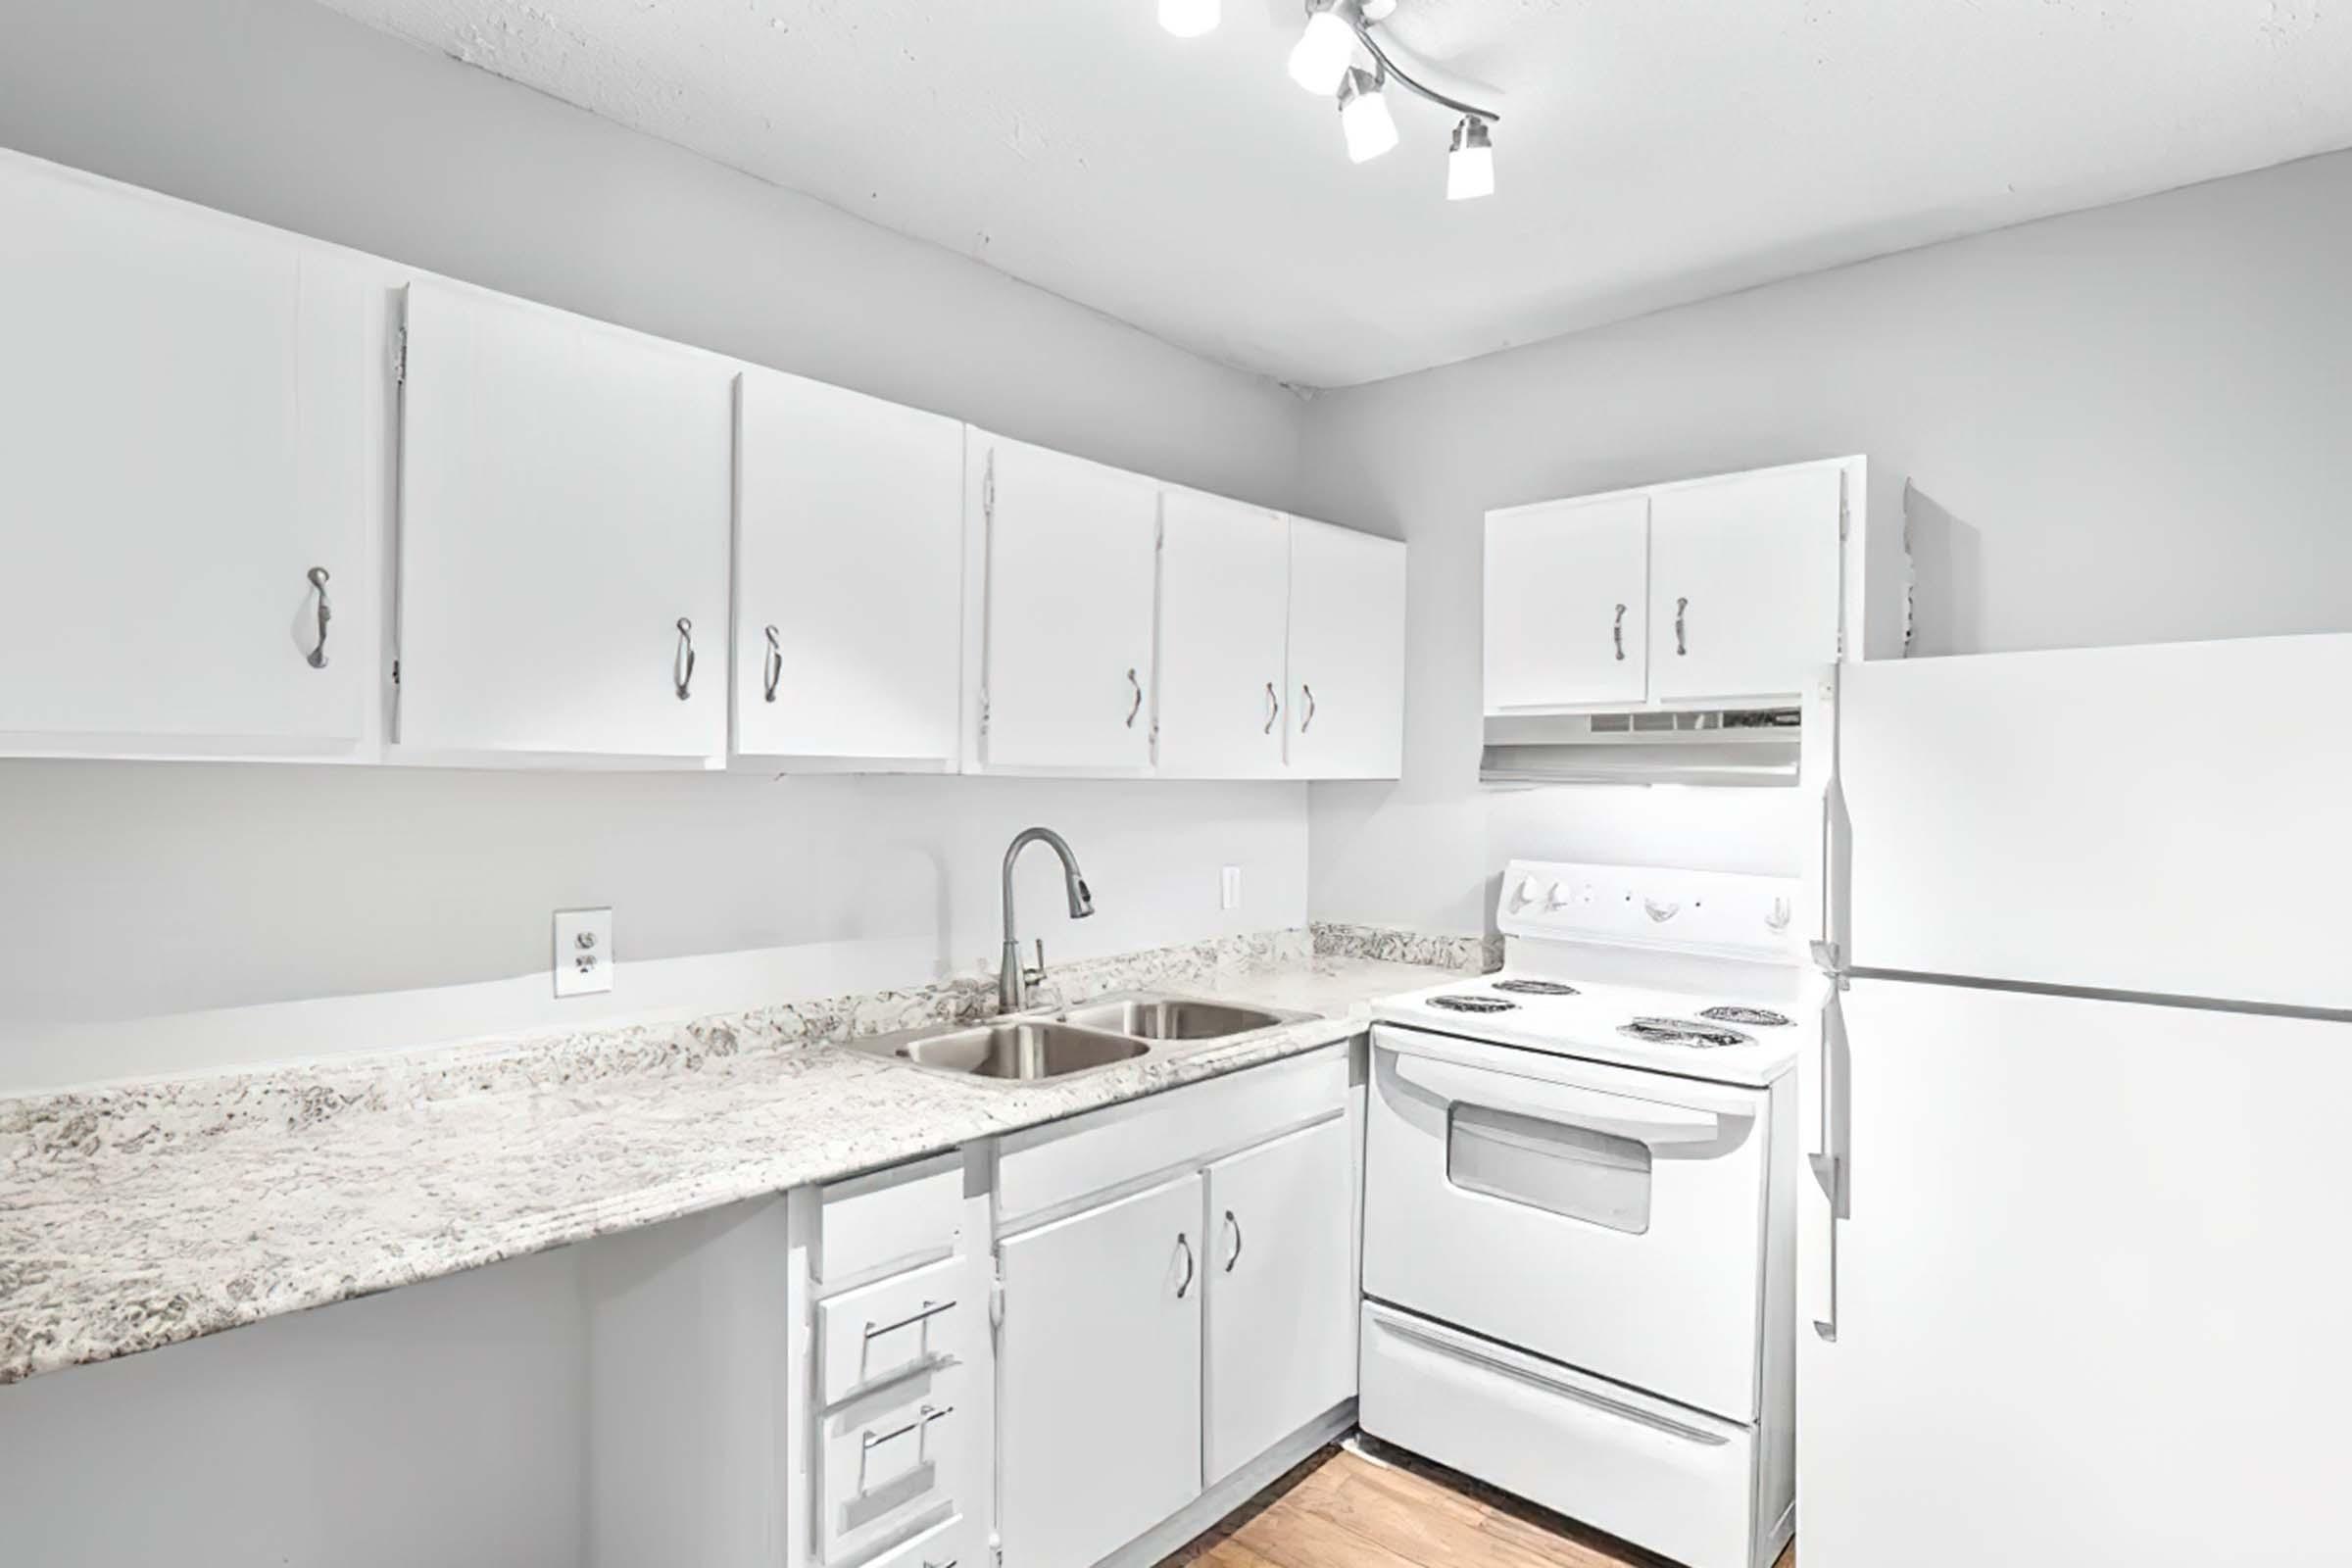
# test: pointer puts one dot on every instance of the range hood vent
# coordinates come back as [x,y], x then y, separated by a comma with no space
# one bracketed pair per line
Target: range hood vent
[1745,747]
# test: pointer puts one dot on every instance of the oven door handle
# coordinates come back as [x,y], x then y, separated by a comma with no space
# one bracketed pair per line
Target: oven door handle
[1642,1120]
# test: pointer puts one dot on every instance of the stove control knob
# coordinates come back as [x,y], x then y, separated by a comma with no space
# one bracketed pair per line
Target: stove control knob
[1524,893]
[1557,898]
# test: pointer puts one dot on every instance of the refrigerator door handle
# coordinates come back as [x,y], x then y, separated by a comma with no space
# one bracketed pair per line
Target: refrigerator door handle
[1816,1246]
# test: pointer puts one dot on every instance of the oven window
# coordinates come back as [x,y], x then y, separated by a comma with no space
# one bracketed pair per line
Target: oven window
[1596,1177]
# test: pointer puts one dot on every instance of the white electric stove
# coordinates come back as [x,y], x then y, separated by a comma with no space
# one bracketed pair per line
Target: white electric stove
[1579,1208]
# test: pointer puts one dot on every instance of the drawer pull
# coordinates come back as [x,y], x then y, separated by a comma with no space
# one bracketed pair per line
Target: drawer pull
[930,1309]
[929,1415]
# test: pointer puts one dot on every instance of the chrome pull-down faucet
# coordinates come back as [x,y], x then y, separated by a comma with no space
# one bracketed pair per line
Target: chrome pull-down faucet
[1013,980]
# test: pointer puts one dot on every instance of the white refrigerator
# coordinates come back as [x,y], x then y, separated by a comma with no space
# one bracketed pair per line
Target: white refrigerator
[2076,1227]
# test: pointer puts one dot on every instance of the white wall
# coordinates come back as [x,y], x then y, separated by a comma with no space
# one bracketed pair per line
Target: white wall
[2125,426]
[138,891]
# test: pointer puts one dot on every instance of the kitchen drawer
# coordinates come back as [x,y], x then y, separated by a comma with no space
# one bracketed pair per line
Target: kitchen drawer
[893,1464]
[1651,1472]
[1046,1170]
[948,1545]
[889,1220]
[869,1336]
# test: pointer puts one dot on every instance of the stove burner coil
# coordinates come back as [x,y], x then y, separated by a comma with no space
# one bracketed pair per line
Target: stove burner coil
[1537,988]
[1472,1004]
[1753,1017]
[1684,1032]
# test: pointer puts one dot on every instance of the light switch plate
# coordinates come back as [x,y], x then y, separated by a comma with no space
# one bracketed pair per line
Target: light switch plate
[1230,889]
[583,951]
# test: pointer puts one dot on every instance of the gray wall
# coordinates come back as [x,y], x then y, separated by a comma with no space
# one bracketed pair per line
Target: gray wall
[250,885]
[2124,425]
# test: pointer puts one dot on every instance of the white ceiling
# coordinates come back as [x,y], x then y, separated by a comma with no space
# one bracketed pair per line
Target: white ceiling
[1650,151]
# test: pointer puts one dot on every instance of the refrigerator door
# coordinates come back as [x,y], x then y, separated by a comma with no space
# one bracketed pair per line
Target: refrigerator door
[2088,1286]
[2173,820]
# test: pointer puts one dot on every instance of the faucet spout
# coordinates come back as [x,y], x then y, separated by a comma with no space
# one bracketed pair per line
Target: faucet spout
[1012,981]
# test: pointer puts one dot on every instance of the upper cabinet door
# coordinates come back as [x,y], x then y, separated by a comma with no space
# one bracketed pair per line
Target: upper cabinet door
[564,530]
[1567,604]
[1743,584]
[849,576]
[1098,1376]
[1070,557]
[1224,614]
[1346,718]
[182,428]
[1282,1291]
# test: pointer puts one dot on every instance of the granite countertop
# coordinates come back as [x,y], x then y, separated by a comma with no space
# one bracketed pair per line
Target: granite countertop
[137,1216]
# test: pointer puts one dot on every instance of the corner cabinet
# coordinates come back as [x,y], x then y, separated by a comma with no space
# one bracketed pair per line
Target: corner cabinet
[1724,592]
[182,480]
[1066,559]
[1347,653]
[564,505]
[849,578]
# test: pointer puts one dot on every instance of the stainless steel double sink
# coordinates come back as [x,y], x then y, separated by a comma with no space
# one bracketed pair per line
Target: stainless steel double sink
[1033,1047]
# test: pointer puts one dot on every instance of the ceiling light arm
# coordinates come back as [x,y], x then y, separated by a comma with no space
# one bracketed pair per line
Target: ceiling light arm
[1364,33]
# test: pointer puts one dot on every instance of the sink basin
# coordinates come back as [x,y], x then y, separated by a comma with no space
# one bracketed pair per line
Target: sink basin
[1174,1018]
[1021,1051]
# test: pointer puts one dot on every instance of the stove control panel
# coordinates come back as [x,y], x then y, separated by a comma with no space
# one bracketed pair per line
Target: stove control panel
[1698,912]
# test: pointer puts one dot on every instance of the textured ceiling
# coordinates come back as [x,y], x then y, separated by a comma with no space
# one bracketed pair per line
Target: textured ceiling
[1650,151]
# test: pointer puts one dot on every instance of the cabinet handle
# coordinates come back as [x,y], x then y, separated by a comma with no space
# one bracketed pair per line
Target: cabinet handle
[774,660]
[923,1418]
[326,612]
[1185,1244]
[682,669]
[1682,607]
[1139,699]
[1618,632]
[1308,722]
[1235,1226]
[931,1309]
[1273,707]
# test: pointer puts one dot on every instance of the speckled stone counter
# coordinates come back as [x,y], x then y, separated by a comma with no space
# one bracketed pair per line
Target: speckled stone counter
[134,1216]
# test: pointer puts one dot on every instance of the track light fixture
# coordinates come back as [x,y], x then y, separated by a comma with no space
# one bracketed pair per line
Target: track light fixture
[1364,118]
[1189,19]
[1470,165]
[1323,61]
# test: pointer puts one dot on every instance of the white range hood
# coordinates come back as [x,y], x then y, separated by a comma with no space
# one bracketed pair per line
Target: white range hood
[1754,748]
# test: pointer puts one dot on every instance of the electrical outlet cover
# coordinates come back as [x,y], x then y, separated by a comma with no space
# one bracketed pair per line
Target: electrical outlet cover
[583,951]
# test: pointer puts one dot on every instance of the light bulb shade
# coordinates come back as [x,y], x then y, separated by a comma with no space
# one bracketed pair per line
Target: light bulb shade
[1470,167]
[1319,59]
[1364,118]
[1189,19]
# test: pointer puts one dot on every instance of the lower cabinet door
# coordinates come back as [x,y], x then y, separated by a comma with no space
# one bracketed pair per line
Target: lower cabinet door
[1282,1291]
[1098,1376]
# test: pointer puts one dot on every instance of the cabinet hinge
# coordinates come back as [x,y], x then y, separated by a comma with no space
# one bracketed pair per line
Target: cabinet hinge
[996,1293]
[1845,513]
[396,672]
[400,356]
[984,712]
[988,490]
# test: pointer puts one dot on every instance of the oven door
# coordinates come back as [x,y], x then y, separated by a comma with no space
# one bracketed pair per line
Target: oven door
[1601,1216]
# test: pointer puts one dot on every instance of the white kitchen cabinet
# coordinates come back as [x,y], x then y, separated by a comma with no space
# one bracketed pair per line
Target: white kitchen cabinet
[182,481]
[1347,653]
[1282,1291]
[1745,583]
[849,577]
[1567,596]
[1099,1376]
[564,514]
[1068,566]
[1224,629]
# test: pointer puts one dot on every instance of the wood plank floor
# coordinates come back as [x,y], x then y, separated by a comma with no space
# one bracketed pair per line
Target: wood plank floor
[1344,1509]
